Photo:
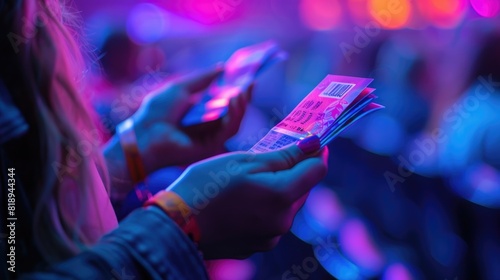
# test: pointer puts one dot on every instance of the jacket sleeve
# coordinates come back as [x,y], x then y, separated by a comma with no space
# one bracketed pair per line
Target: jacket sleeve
[146,245]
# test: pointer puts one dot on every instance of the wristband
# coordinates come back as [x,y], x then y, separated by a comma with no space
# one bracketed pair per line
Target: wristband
[128,141]
[173,205]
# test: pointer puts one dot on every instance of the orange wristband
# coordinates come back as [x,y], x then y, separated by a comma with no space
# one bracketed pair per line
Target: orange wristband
[173,205]
[128,141]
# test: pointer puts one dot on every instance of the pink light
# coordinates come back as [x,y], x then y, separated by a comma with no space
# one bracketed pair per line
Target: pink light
[208,12]
[320,14]
[486,8]
[359,11]
[221,99]
[397,271]
[242,57]
[213,115]
[443,13]
[325,208]
[356,243]
[231,270]
[485,178]
[217,103]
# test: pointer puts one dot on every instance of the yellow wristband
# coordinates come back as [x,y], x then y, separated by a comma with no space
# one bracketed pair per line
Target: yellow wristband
[128,141]
[173,205]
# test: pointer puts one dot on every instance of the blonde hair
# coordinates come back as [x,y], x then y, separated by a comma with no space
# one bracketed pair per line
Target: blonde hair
[43,38]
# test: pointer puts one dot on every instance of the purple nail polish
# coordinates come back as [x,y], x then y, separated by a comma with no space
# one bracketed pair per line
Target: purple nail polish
[309,144]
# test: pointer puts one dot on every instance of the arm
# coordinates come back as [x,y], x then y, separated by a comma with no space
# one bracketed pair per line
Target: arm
[148,244]
[134,251]
[160,141]
[121,183]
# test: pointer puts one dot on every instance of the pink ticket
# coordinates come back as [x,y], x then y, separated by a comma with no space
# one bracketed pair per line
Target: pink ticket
[319,111]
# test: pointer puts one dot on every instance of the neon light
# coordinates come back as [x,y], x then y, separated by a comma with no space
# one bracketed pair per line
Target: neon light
[320,14]
[486,8]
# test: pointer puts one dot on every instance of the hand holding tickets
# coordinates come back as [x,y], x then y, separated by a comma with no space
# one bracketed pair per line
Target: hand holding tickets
[331,107]
[239,73]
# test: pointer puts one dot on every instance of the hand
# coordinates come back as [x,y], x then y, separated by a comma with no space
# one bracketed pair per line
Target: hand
[245,202]
[160,139]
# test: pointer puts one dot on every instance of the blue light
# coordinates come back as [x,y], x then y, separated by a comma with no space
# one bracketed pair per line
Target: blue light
[302,230]
[381,135]
[336,264]
[147,23]
[320,217]
[479,183]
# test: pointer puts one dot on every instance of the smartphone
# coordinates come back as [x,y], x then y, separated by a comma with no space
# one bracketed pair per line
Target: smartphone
[240,70]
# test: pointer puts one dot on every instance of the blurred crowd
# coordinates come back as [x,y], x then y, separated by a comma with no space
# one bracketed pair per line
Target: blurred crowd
[413,191]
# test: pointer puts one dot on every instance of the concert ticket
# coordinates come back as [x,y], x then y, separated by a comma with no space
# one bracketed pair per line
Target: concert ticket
[331,107]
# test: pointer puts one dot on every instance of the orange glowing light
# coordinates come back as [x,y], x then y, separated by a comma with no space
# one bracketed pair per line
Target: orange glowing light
[443,13]
[391,14]
[320,14]
[445,7]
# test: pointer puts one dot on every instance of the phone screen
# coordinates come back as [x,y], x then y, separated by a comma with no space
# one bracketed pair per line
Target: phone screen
[240,71]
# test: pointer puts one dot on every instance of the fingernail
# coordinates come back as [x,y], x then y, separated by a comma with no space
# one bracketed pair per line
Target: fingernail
[309,144]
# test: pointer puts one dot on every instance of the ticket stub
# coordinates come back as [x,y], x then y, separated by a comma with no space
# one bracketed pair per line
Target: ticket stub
[319,112]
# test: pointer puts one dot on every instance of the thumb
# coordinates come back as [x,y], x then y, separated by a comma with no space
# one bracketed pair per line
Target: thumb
[288,157]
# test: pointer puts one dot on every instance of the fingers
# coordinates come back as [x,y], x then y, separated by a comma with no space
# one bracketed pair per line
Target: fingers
[199,80]
[304,176]
[236,111]
[292,184]
[288,157]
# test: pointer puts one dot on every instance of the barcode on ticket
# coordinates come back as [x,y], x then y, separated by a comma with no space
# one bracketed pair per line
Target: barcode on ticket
[336,90]
[273,141]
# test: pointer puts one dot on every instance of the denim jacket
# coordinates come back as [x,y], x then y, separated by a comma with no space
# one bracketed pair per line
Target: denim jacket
[146,245]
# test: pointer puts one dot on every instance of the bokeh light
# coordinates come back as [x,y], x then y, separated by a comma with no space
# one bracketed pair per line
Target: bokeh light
[397,271]
[359,11]
[443,13]
[231,270]
[336,264]
[381,135]
[389,13]
[480,183]
[147,23]
[324,209]
[302,230]
[486,8]
[358,246]
[321,215]
[209,11]
[320,14]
